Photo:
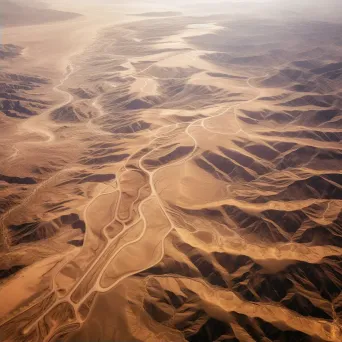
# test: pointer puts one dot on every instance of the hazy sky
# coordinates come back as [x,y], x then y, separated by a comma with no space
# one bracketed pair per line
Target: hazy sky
[322,10]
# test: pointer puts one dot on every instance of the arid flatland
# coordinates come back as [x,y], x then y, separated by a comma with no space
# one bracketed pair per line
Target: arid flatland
[171,172]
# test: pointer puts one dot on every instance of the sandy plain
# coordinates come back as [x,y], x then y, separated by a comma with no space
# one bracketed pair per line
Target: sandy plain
[167,176]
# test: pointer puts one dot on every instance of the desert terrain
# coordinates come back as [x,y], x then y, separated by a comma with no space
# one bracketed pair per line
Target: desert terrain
[170,171]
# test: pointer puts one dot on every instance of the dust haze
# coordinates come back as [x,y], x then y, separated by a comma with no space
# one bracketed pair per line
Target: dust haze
[170,171]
